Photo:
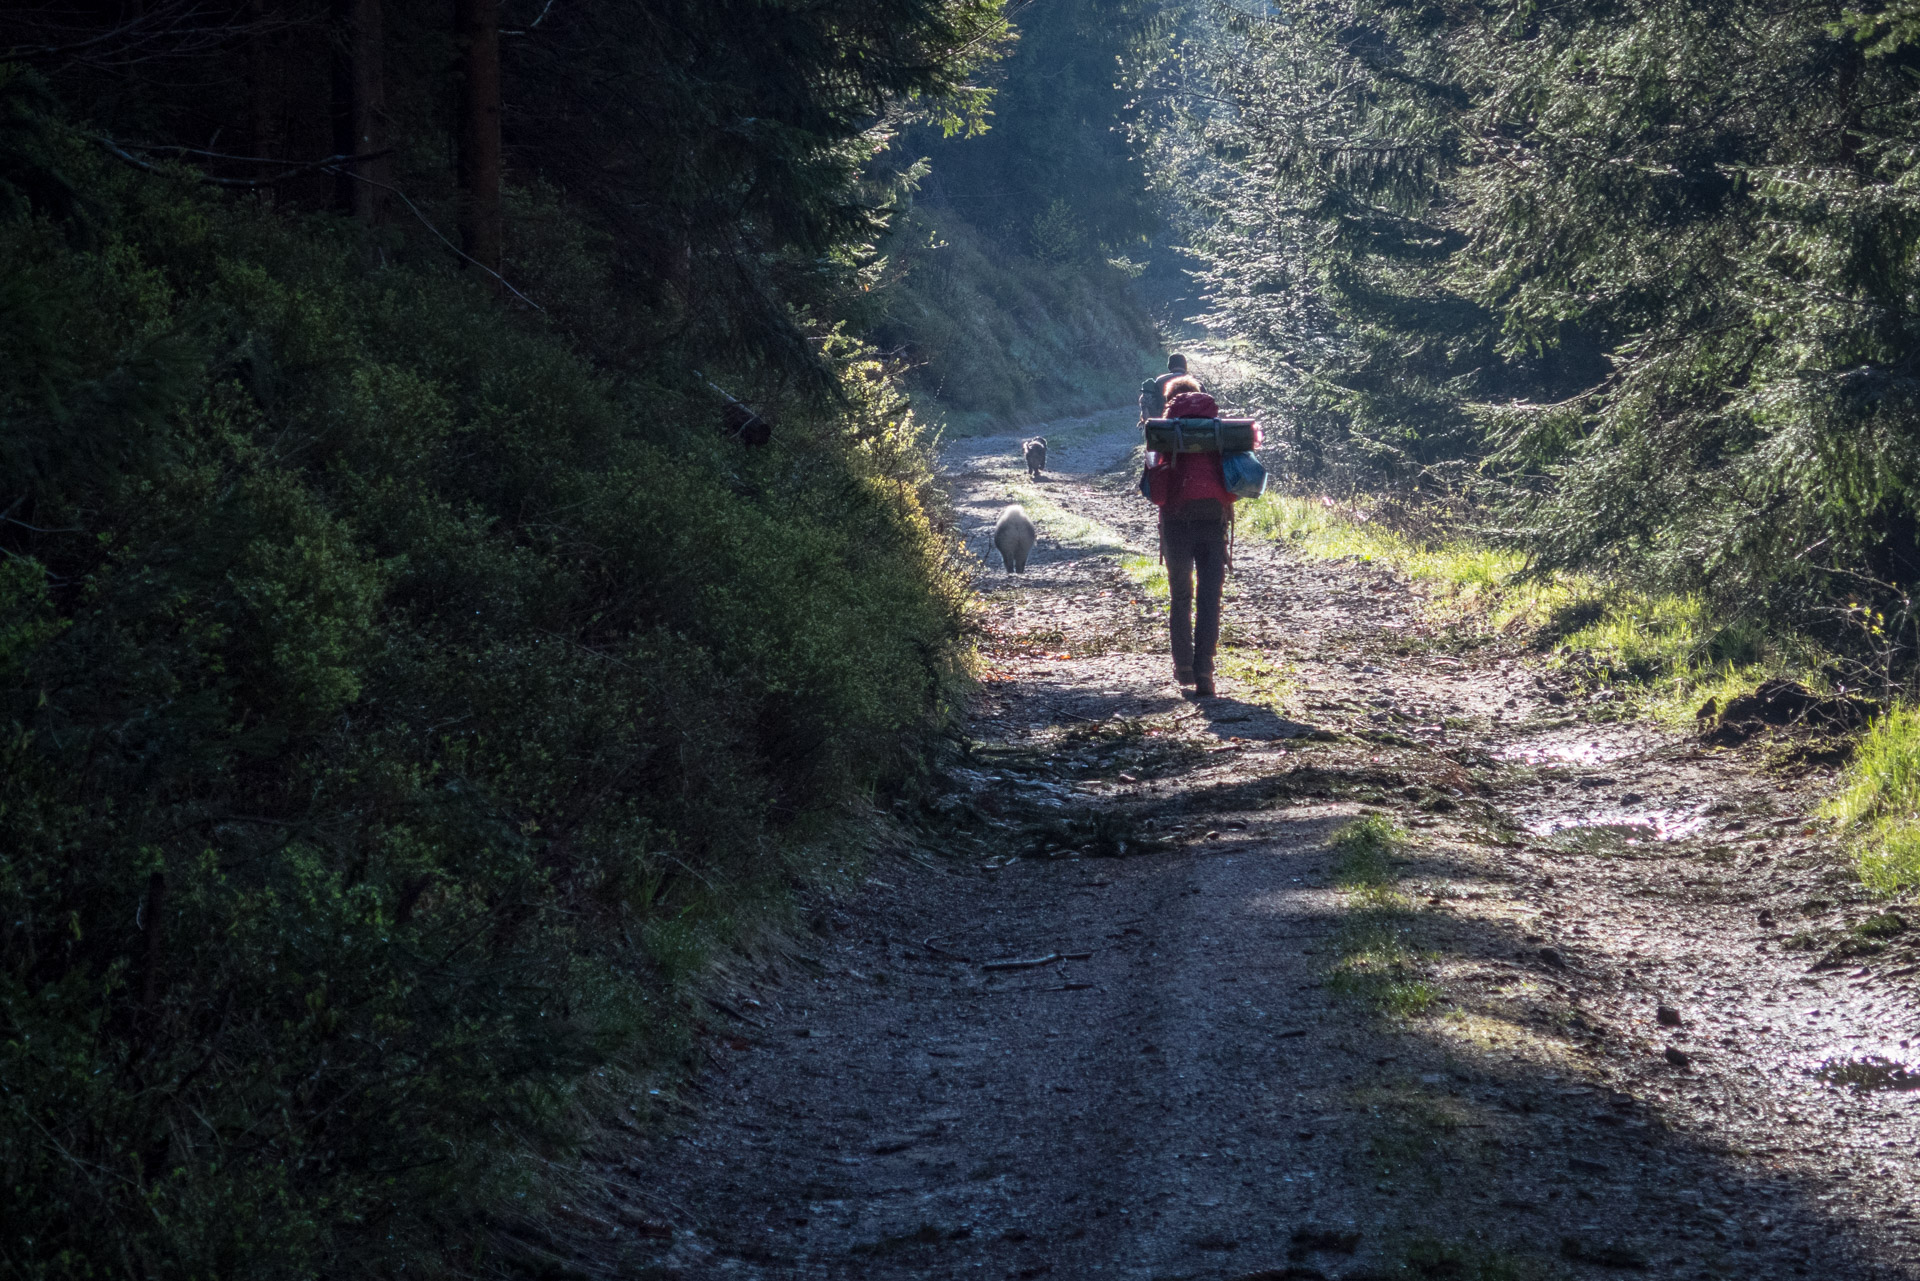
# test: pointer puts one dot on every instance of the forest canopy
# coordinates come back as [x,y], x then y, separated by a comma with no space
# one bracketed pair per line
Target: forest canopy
[1637,278]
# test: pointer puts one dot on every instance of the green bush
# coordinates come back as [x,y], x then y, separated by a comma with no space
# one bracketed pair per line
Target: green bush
[397,706]
[1586,268]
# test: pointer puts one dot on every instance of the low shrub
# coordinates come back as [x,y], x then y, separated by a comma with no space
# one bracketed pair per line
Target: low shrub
[397,707]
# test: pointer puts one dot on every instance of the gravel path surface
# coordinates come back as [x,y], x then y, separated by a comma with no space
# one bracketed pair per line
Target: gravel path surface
[1243,1058]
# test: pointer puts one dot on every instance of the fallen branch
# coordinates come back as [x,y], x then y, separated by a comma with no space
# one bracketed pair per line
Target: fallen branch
[1033,963]
[928,944]
[732,1013]
[289,169]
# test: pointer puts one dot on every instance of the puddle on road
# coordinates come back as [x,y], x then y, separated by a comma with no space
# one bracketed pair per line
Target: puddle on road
[1584,746]
[1595,828]
[1601,831]
[1867,1074]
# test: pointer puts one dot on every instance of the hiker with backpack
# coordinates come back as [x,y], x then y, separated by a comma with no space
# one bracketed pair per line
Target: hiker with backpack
[1153,392]
[1191,490]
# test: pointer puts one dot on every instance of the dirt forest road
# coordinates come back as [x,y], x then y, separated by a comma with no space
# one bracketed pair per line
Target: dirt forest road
[1240,1045]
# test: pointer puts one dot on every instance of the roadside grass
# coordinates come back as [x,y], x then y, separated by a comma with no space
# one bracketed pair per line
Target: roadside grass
[1364,850]
[1148,573]
[1666,653]
[1377,966]
[1880,803]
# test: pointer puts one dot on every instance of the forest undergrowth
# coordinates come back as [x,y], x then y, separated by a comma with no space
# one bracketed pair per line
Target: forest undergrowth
[401,709]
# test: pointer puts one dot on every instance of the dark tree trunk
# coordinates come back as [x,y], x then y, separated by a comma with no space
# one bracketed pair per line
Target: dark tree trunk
[359,107]
[263,97]
[477,30]
[156,935]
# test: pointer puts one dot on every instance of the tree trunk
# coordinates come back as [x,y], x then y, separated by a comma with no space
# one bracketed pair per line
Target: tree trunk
[359,107]
[477,31]
[156,936]
[264,74]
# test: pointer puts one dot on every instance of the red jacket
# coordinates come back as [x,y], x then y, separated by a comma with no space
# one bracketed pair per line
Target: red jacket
[1174,480]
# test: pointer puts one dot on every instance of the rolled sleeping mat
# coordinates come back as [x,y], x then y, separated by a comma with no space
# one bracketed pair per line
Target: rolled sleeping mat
[1200,435]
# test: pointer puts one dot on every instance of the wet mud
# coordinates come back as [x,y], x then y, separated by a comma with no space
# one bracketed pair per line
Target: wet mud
[1124,1004]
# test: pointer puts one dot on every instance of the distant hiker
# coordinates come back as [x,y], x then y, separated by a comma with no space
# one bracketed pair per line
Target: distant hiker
[1196,519]
[1013,537]
[1153,392]
[1035,452]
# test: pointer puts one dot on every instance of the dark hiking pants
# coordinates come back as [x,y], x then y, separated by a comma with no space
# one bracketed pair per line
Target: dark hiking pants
[1195,550]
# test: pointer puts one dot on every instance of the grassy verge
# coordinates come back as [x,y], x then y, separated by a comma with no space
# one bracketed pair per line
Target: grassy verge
[1377,966]
[1880,803]
[1667,654]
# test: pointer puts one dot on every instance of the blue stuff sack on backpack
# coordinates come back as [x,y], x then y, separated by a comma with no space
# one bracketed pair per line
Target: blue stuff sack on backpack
[1244,475]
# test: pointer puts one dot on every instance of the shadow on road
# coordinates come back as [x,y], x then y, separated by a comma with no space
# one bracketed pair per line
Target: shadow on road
[1231,718]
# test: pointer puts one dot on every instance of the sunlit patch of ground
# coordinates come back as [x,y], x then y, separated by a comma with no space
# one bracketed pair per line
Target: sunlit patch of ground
[1260,677]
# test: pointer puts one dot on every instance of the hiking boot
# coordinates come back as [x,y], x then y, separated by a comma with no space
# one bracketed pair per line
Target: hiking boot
[1203,684]
[1182,675]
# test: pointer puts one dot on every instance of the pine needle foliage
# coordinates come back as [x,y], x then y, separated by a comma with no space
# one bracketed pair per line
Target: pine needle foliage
[1640,274]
